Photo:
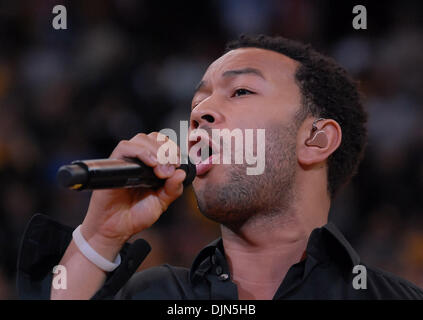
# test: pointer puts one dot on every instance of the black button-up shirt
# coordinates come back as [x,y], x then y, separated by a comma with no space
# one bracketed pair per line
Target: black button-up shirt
[325,273]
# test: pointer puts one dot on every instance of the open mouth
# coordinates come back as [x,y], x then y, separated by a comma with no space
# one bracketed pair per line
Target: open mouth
[204,166]
[205,156]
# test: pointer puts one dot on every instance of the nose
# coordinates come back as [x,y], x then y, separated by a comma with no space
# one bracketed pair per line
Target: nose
[204,117]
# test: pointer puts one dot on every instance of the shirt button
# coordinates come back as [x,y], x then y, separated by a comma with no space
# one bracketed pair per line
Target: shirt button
[219,270]
[223,277]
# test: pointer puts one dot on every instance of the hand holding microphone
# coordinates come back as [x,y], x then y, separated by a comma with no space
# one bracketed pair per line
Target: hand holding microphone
[143,190]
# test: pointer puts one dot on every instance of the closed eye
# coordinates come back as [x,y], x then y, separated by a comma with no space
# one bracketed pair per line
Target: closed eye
[241,92]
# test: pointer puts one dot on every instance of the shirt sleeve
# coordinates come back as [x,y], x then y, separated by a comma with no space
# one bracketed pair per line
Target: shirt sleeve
[42,247]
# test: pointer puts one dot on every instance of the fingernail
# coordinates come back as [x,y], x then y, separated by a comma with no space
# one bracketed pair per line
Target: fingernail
[167,170]
[152,157]
[170,169]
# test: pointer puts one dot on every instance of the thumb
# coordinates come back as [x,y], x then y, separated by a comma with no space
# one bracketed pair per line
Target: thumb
[172,188]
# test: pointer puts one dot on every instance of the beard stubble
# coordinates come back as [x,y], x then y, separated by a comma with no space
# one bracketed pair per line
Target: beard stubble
[241,197]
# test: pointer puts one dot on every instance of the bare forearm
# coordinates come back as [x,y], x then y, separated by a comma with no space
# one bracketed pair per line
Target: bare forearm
[83,278]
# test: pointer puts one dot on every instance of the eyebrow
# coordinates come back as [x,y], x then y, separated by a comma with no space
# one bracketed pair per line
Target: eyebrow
[232,73]
[199,85]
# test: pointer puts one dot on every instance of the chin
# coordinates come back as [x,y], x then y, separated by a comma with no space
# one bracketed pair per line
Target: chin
[210,179]
[205,188]
[209,192]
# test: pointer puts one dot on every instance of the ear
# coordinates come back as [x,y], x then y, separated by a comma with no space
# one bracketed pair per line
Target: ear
[310,154]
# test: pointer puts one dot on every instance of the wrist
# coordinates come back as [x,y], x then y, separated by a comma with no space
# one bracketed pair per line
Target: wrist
[93,255]
[107,247]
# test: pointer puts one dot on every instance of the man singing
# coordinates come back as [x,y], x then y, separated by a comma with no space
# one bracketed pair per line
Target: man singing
[276,242]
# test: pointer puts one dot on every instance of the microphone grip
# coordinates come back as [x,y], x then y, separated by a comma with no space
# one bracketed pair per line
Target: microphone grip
[114,173]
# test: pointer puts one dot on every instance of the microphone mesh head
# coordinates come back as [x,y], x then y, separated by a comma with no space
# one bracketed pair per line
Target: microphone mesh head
[191,172]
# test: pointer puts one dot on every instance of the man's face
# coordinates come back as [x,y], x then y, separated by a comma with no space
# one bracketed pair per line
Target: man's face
[248,88]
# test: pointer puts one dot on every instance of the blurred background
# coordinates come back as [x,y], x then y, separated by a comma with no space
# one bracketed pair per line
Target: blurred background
[127,66]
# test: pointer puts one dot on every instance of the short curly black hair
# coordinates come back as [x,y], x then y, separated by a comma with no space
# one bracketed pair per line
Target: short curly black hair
[327,92]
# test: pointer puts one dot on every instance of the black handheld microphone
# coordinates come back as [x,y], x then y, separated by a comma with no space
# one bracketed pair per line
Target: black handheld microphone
[114,173]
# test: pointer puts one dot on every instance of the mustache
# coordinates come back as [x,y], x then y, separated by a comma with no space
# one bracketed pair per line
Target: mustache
[205,128]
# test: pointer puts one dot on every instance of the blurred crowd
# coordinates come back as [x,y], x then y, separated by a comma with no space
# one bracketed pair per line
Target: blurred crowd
[126,66]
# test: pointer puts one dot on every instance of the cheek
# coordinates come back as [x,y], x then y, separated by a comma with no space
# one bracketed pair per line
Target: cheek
[247,116]
[270,110]
[255,119]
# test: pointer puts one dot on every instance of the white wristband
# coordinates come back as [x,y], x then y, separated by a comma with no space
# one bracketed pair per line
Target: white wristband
[91,254]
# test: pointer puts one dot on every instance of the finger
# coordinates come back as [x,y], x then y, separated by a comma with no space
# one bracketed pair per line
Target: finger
[128,149]
[169,154]
[164,171]
[147,141]
[155,136]
[172,189]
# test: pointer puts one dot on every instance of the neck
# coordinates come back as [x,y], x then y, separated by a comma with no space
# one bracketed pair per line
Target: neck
[261,252]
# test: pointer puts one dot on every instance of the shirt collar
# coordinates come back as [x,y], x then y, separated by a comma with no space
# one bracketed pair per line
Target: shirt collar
[203,262]
[327,244]
[324,244]
[339,239]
